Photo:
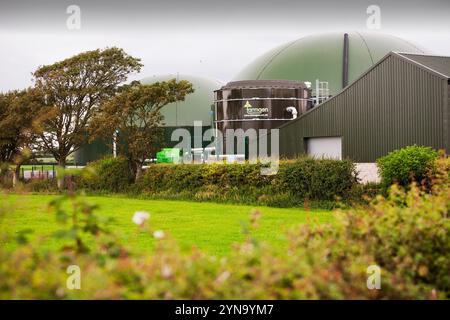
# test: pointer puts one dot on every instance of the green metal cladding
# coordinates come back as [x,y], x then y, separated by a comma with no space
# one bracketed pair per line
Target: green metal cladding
[399,102]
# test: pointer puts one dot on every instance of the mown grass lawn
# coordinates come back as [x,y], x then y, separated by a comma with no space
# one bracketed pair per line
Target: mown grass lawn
[211,227]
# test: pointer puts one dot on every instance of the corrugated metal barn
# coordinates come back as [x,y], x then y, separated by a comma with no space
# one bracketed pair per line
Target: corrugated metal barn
[402,100]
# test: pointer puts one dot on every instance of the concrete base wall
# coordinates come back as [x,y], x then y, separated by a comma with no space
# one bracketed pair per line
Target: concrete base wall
[367,172]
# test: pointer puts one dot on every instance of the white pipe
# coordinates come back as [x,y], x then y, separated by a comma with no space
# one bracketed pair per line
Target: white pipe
[293,111]
[115,144]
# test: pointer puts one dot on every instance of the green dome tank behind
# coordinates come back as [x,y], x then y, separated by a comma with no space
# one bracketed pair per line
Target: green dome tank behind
[322,57]
[196,107]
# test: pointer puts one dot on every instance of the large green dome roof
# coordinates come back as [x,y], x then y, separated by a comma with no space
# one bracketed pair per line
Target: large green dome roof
[321,57]
[197,105]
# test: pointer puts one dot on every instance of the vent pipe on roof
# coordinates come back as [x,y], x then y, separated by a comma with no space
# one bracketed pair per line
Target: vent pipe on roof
[345,61]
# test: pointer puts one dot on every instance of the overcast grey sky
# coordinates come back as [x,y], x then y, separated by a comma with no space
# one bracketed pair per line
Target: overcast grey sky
[207,38]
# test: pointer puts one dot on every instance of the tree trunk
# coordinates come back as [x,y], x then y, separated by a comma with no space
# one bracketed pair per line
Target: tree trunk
[5,176]
[60,180]
[16,175]
[138,172]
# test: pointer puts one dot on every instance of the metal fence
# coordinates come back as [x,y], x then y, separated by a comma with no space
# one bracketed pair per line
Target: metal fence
[38,172]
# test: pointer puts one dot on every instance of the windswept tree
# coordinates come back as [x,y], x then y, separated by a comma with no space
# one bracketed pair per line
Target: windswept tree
[21,116]
[73,90]
[134,114]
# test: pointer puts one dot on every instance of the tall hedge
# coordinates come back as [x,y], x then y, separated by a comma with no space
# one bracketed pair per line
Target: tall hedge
[296,180]
[317,179]
[109,175]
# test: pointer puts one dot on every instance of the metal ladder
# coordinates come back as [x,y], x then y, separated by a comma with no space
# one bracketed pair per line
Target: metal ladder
[321,92]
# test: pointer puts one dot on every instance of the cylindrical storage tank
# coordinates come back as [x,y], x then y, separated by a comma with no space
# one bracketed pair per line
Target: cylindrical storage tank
[258,104]
[93,151]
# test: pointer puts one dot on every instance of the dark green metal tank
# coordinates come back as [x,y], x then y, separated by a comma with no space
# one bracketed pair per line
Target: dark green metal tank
[91,152]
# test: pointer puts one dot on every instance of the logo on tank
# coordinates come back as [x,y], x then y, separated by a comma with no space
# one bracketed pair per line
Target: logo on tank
[251,111]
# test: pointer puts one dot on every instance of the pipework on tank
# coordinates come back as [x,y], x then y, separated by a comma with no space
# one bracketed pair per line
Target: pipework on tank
[293,111]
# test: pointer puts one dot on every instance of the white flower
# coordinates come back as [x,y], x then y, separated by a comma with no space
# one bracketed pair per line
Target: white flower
[166,271]
[223,277]
[158,234]
[247,248]
[140,217]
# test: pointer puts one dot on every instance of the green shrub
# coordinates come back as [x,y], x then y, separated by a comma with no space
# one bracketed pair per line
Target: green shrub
[365,192]
[41,185]
[296,180]
[406,165]
[106,175]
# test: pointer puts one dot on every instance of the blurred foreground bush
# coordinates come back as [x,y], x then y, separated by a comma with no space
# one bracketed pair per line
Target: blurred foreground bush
[406,235]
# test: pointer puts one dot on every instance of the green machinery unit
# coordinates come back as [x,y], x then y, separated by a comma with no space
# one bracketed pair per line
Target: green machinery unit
[168,155]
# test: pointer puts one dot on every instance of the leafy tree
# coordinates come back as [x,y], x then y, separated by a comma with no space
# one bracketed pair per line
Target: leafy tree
[73,90]
[135,114]
[20,118]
